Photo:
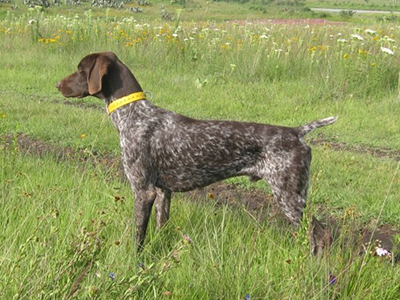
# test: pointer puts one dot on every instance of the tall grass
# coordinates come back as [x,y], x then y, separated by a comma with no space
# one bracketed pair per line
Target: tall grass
[67,231]
[67,226]
[339,61]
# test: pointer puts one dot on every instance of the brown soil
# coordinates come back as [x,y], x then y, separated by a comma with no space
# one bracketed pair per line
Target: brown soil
[258,204]
[291,22]
[377,152]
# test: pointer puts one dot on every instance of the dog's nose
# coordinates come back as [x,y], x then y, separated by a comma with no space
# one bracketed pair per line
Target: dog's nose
[58,85]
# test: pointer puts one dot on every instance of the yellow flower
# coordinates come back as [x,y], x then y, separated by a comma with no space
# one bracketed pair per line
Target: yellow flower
[345,56]
[83,136]
[362,52]
[373,64]
[313,49]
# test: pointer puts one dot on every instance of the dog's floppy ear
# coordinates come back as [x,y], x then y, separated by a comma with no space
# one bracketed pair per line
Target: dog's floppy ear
[96,74]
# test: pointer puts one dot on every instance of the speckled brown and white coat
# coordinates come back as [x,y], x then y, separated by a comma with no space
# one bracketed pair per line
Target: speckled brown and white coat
[165,152]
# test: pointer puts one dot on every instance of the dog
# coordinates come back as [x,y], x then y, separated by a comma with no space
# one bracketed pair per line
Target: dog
[165,152]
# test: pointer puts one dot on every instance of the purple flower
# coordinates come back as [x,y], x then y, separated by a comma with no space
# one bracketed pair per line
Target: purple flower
[332,279]
[140,265]
[112,276]
[247,297]
[187,238]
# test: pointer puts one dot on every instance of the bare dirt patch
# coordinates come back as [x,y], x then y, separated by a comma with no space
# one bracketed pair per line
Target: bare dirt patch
[338,146]
[290,22]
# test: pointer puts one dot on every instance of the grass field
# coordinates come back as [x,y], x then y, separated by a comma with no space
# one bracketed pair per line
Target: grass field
[66,212]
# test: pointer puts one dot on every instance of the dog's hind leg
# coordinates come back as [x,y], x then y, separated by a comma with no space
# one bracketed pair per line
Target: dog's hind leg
[289,185]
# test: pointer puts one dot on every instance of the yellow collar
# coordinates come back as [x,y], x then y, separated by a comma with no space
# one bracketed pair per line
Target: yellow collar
[125,100]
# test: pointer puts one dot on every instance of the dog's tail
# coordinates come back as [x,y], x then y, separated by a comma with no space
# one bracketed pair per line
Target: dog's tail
[303,130]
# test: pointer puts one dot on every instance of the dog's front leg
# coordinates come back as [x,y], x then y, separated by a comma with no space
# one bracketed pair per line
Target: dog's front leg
[144,199]
[163,201]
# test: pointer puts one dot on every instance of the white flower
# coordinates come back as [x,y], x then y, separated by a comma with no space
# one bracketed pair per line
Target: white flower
[382,252]
[370,31]
[175,35]
[388,39]
[387,51]
[263,36]
[342,41]
[357,37]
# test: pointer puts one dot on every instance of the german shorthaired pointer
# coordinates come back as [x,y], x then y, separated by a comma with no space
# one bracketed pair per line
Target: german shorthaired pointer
[164,152]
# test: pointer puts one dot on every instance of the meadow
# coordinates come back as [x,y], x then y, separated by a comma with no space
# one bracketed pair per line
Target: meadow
[66,213]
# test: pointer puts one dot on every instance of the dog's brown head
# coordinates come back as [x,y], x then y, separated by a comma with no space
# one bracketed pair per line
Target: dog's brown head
[101,75]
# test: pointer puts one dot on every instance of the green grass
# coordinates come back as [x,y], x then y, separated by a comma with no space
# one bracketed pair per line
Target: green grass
[356,4]
[62,228]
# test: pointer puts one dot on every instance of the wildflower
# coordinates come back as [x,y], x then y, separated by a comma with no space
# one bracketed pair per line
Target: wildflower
[387,51]
[370,31]
[332,279]
[342,41]
[346,56]
[313,49]
[175,35]
[211,196]
[263,36]
[373,64]
[33,21]
[247,297]
[357,37]
[83,136]
[382,252]
[187,239]
[112,276]
[362,52]
[140,265]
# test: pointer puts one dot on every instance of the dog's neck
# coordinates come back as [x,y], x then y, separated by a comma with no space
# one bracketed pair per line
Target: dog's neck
[118,83]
